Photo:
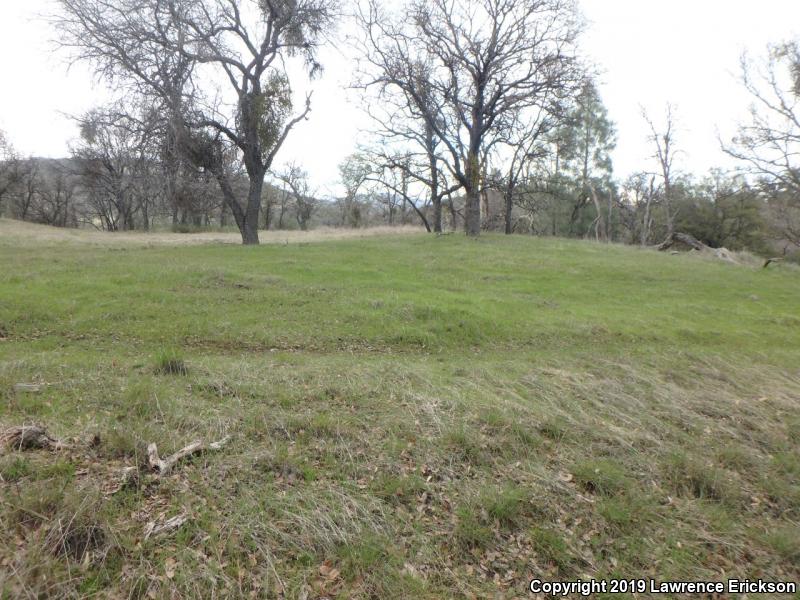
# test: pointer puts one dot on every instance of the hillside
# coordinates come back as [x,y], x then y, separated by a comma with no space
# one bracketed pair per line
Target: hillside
[409,417]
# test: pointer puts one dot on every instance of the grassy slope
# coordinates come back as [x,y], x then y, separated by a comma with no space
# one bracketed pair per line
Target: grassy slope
[411,417]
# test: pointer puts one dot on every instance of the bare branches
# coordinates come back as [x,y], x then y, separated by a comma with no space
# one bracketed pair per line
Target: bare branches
[768,145]
[296,179]
[174,49]
[463,70]
[665,151]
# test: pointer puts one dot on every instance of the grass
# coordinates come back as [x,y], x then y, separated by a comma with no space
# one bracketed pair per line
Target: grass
[170,362]
[410,416]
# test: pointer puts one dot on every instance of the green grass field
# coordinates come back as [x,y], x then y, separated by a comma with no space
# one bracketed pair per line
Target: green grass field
[410,417]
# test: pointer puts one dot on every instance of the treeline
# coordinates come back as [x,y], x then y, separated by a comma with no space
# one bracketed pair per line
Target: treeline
[120,178]
[113,186]
[483,117]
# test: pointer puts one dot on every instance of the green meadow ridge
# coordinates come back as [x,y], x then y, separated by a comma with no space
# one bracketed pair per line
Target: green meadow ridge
[409,417]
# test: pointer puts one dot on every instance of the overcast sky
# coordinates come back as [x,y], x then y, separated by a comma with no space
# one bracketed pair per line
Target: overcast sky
[649,53]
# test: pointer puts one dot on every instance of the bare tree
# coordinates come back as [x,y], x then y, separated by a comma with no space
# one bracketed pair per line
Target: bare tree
[404,173]
[484,61]
[636,206]
[26,189]
[524,143]
[299,190]
[665,152]
[115,167]
[355,172]
[57,198]
[388,183]
[395,175]
[769,144]
[240,42]
[405,141]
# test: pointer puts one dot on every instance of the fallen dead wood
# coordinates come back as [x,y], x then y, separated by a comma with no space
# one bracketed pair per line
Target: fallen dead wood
[769,261]
[157,467]
[30,437]
[28,388]
[162,466]
[683,238]
[153,529]
[695,244]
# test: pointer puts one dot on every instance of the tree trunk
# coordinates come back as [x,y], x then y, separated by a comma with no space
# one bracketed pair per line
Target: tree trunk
[599,224]
[421,215]
[436,197]
[646,222]
[509,197]
[485,204]
[250,233]
[437,214]
[453,215]
[472,208]
[472,212]
[472,189]
[282,212]
[230,198]
[145,216]
[668,203]
[268,214]
[433,167]
[171,183]
[250,229]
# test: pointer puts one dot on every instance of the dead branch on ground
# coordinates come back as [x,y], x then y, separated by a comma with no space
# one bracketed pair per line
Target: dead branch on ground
[154,530]
[769,261]
[165,465]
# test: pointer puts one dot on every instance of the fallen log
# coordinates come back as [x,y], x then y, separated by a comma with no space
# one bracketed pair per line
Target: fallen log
[773,260]
[162,466]
[695,244]
[683,238]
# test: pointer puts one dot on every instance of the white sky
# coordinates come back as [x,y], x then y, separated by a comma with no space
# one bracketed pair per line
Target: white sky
[649,53]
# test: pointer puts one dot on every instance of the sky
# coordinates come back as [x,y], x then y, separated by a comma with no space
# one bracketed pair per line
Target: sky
[647,53]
